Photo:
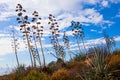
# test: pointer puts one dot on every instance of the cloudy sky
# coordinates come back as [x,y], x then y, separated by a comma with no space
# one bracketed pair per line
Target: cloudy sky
[94,15]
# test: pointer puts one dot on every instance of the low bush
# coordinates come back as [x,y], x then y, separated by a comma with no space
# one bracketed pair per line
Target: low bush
[61,74]
[36,75]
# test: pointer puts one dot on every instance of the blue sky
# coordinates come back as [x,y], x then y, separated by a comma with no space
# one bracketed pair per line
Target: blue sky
[94,15]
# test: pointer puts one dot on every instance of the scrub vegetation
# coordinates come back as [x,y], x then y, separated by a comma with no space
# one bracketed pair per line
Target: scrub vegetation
[100,62]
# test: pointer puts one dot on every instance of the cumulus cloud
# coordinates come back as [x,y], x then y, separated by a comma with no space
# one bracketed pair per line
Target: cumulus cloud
[6,46]
[45,7]
[86,17]
[65,11]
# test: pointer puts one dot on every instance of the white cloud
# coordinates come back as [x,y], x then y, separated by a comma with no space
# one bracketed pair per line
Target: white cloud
[96,31]
[69,33]
[45,7]
[104,3]
[118,14]
[87,16]
[99,40]
[91,2]
[90,15]
[107,22]
[93,16]
[92,30]
[4,35]
[117,38]
[47,45]
[88,44]
[66,10]
[92,43]
[1,59]
[115,1]
[5,46]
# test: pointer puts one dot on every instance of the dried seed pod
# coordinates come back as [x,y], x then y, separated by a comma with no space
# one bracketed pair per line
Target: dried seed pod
[38,23]
[18,19]
[28,28]
[50,14]
[39,18]
[26,17]
[20,14]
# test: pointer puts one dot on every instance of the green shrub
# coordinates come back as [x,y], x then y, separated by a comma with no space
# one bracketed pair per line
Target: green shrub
[100,65]
[79,57]
[52,66]
[20,72]
[36,75]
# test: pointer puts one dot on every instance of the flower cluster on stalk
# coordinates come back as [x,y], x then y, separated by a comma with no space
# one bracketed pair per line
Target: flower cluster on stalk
[77,29]
[78,33]
[37,31]
[54,28]
[25,28]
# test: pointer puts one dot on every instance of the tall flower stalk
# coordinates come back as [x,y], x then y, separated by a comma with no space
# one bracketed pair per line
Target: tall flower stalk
[38,31]
[78,33]
[54,37]
[66,43]
[75,31]
[24,27]
[35,48]
[110,42]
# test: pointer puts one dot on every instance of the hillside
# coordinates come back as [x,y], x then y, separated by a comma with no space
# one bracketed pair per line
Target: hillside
[91,66]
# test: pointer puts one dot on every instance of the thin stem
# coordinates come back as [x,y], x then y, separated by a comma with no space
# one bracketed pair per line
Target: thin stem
[37,52]
[28,43]
[29,46]
[40,41]
[15,48]
[78,44]
[84,45]
[70,53]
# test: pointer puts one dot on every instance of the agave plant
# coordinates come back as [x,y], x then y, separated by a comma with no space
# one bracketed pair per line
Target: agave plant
[20,72]
[38,32]
[78,33]
[110,42]
[24,27]
[59,50]
[66,43]
[98,68]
